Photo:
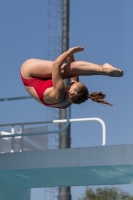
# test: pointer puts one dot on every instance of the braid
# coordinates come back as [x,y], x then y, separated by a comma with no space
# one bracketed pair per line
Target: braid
[82,94]
[98,97]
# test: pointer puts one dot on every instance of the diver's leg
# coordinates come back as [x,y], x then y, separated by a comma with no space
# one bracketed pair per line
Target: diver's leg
[82,68]
[43,69]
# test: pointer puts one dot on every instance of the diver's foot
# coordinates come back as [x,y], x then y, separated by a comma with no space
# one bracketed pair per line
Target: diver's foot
[109,70]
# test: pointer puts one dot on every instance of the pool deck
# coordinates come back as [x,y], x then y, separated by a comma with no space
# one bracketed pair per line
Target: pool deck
[107,165]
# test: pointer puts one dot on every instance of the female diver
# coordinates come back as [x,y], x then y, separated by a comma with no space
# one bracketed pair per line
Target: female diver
[43,79]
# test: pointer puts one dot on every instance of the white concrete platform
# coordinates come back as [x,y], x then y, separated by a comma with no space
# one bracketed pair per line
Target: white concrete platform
[106,165]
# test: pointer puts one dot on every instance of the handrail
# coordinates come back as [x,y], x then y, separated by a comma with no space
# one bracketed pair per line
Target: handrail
[89,119]
[15,98]
[56,131]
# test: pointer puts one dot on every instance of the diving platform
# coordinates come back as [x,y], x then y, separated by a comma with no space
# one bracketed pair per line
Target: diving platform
[102,165]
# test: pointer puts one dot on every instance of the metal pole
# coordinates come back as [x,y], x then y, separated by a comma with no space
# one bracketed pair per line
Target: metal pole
[64,137]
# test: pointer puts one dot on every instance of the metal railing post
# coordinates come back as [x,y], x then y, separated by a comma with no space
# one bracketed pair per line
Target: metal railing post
[12,140]
[21,141]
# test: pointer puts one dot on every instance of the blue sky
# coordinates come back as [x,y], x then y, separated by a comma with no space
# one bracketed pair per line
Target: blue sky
[105,29]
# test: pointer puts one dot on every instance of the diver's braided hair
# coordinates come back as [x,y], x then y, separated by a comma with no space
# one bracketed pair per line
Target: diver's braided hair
[82,94]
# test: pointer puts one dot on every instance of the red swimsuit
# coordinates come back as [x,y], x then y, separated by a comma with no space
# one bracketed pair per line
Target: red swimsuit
[40,85]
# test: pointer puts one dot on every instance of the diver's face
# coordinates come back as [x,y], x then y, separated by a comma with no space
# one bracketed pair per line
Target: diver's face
[72,87]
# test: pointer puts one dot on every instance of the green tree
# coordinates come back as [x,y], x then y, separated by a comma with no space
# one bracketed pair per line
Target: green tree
[106,194]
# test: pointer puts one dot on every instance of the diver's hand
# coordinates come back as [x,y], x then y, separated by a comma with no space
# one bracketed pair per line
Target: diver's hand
[75,49]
